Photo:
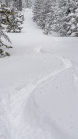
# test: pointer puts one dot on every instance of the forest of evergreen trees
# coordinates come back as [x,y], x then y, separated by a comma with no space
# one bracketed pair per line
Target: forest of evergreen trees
[51,15]
[57,15]
[10,20]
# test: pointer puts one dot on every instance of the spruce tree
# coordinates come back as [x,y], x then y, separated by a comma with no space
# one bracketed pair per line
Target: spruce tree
[37,9]
[57,15]
[15,21]
[69,19]
[28,3]
[48,14]
[3,46]
[20,5]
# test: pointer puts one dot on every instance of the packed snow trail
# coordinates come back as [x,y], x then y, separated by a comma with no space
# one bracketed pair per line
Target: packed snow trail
[39,86]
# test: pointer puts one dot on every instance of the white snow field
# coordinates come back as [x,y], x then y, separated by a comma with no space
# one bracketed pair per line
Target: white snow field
[39,85]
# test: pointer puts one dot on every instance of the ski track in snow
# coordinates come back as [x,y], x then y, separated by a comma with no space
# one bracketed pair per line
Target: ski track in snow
[66,62]
[27,91]
[54,131]
[24,94]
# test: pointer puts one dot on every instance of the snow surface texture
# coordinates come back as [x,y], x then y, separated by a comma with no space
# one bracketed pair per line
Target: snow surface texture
[39,86]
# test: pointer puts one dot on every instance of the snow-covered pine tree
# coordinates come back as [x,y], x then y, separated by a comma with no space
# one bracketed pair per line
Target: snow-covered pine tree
[57,15]
[14,3]
[68,21]
[28,3]
[15,21]
[3,47]
[49,15]
[43,14]
[37,10]
[20,5]
[58,18]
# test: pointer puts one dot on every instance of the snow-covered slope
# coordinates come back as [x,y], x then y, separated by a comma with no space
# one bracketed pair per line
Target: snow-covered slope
[39,86]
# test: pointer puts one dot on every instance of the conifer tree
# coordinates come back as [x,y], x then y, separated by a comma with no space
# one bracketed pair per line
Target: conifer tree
[57,15]
[28,3]
[69,19]
[20,5]
[15,21]
[38,7]
[3,47]
[48,14]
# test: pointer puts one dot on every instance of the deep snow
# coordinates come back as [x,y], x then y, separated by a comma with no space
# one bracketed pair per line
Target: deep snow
[39,85]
